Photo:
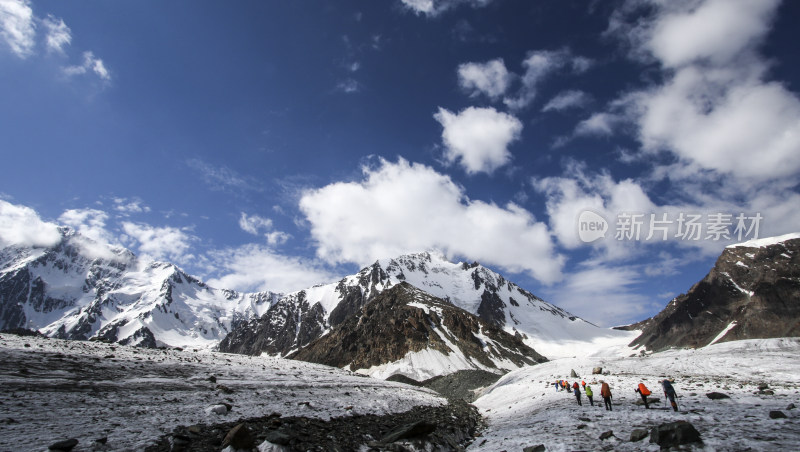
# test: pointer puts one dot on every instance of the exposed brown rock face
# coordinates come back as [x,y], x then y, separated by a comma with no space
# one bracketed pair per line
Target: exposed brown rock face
[758,288]
[388,328]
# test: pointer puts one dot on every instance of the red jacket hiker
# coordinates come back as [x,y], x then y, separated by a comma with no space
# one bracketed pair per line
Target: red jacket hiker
[644,392]
[605,392]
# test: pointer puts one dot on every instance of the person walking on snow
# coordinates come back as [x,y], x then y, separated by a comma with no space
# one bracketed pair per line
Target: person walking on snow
[669,393]
[589,394]
[644,392]
[605,392]
[569,388]
[577,389]
[583,384]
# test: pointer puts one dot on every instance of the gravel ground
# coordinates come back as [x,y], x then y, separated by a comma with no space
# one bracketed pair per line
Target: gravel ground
[111,397]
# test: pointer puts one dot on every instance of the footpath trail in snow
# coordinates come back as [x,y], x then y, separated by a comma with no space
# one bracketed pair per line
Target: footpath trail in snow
[53,390]
[523,408]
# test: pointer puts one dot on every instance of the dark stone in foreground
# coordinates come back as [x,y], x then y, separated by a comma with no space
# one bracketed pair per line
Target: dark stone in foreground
[240,438]
[414,430]
[777,415]
[606,435]
[65,445]
[717,396]
[539,448]
[639,434]
[674,434]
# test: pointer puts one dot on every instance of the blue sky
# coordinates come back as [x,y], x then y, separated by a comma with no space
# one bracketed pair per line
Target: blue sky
[275,145]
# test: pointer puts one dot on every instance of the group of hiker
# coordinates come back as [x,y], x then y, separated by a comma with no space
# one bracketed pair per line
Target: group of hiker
[605,392]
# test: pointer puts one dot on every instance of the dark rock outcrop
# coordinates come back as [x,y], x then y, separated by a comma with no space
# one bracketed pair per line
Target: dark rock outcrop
[674,434]
[405,319]
[751,293]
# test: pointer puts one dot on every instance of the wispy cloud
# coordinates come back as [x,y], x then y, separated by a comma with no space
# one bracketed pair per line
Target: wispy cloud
[432,8]
[58,34]
[253,267]
[222,178]
[91,64]
[17,26]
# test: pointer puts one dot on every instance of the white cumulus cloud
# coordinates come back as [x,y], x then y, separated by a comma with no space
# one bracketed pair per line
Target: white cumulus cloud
[490,78]
[22,226]
[402,207]
[478,138]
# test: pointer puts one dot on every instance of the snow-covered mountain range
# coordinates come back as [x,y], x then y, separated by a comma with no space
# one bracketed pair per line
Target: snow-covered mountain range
[300,317]
[80,289]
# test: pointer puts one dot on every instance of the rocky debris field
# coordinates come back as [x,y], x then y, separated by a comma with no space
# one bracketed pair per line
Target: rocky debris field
[111,397]
[462,385]
[441,428]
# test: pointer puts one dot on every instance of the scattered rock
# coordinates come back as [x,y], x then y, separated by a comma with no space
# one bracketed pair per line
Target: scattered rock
[212,379]
[650,401]
[538,448]
[573,374]
[606,435]
[66,445]
[217,409]
[103,440]
[639,434]
[762,386]
[225,389]
[767,392]
[239,437]
[674,434]
[775,414]
[790,407]
[717,396]
[584,419]
[181,440]
[597,370]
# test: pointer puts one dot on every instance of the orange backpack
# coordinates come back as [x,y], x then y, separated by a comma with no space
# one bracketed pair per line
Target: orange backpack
[643,389]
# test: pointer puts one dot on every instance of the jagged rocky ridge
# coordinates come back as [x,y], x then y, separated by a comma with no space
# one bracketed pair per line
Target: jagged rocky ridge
[404,329]
[301,317]
[752,292]
[80,289]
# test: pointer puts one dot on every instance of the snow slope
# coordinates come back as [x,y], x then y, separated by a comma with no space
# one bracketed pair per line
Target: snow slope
[767,241]
[55,389]
[523,409]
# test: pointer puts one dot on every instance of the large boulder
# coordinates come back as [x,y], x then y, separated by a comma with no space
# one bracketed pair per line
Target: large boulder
[674,434]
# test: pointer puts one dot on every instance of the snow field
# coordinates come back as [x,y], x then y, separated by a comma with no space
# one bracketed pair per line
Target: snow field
[523,408]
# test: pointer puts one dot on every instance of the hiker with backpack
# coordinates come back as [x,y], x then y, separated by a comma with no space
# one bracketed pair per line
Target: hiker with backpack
[605,392]
[577,389]
[589,394]
[644,392]
[669,393]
